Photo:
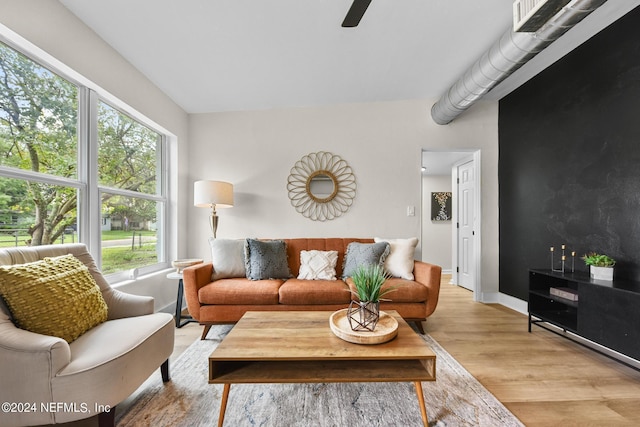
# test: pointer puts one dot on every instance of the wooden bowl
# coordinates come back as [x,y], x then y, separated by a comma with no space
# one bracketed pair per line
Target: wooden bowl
[386,329]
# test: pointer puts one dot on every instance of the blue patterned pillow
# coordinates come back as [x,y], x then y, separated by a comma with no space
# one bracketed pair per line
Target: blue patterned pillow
[266,259]
[363,254]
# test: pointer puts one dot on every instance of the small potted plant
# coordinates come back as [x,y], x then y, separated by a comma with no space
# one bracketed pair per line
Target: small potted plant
[364,313]
[600,265]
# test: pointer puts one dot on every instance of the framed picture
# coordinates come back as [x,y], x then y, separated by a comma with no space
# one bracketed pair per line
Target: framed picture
[441,206]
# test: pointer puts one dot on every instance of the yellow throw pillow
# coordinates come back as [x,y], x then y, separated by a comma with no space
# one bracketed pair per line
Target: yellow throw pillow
[55,296]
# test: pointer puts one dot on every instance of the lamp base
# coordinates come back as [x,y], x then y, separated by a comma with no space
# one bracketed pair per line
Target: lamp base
[213,221]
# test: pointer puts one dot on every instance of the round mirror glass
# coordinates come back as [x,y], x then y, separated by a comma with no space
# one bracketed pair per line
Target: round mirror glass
[322,186]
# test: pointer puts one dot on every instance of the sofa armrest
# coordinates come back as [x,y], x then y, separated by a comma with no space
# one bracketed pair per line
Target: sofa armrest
[430,276]
[122,304]
[29,362]
[194,278]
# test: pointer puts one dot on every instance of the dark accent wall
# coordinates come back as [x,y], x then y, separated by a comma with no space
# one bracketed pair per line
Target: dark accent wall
[569,159]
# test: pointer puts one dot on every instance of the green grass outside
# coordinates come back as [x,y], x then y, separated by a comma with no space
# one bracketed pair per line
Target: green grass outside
[121,234]
[7,240]
[123,258]
[114,259]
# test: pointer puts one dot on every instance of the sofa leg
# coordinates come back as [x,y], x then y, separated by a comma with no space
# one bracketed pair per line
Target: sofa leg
[107,418]
[418,324]
[205,331]
[164,370]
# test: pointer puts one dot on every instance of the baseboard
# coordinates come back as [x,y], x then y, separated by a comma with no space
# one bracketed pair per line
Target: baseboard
[508,301]
[513,303]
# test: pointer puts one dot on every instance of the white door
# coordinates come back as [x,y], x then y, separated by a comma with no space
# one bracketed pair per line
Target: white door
[466,221]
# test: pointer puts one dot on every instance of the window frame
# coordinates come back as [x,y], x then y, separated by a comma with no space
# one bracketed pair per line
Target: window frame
[89,205]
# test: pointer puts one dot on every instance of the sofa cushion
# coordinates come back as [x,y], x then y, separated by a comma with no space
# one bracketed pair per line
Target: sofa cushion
[318,265]
[405,290]
[240,291]
[295,246]
[227,257]
[399,263]
[55,296]
[266,259]
[363,254]
[314,292]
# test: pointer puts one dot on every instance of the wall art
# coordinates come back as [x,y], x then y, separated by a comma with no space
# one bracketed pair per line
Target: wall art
[441,206]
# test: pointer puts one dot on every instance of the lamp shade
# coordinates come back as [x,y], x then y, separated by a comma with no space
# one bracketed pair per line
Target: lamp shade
[208,193]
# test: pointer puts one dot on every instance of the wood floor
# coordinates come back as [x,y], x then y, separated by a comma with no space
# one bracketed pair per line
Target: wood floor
[543,378]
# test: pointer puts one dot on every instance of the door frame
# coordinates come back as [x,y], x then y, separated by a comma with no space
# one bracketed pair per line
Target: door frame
[475,157]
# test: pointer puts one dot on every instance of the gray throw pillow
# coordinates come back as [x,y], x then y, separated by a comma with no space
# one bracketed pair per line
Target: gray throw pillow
[227,257]
[363,254]
[266,259]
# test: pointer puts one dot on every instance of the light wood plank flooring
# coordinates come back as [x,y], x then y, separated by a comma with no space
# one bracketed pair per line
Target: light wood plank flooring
[543,378]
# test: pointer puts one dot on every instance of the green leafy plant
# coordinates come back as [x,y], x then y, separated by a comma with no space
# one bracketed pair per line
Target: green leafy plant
[368,281]
[598,260]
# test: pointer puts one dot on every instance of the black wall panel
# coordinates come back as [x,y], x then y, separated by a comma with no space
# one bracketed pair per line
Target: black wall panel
[569,159]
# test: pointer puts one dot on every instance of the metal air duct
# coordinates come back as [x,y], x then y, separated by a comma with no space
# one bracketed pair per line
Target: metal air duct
[511,52]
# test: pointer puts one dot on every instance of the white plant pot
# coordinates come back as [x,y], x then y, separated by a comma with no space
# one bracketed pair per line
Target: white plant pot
[601,273]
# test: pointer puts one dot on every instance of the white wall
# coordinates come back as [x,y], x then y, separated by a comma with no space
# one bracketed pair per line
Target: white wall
[436,235]
[52,28]
[382,142]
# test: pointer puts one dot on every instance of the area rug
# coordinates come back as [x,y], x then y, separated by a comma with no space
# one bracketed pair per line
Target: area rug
[456,398]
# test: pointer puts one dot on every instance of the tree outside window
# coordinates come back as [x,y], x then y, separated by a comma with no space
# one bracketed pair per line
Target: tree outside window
[128,160]
[38,125]
[40,186]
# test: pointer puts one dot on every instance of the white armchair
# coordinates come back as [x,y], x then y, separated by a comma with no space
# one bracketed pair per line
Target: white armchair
[49,381]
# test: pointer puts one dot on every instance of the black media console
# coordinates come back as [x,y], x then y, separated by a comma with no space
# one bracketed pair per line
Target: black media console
[606,313]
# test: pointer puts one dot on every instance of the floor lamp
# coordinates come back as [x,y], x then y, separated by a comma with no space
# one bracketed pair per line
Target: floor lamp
[213,194]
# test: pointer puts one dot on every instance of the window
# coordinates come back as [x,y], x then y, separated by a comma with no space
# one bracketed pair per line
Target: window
[131,190]
[48,171]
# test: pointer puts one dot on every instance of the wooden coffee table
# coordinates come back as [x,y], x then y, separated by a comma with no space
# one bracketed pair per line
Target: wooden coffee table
[299,347]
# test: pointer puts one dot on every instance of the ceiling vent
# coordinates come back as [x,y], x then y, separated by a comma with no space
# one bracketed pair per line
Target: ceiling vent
[509,53]
[530,15]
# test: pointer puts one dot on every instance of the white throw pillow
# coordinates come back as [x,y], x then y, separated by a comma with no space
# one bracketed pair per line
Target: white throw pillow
[227,256]
[399,263]
[318,265]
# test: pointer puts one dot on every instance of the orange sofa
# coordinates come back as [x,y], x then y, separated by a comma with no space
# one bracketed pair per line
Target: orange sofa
[226,300]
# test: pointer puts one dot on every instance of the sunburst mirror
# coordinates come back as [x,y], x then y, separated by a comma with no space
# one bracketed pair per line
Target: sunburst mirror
[321,186]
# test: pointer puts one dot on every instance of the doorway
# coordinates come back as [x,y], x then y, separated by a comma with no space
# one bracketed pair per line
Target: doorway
[459,172]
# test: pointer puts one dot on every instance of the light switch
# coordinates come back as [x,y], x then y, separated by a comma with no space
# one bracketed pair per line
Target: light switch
[411,211]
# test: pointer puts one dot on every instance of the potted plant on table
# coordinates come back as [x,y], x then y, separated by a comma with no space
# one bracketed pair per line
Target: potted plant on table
[364,313]
[600,265]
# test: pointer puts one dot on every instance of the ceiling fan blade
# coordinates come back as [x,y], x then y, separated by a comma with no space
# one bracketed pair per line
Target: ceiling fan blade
[355,13]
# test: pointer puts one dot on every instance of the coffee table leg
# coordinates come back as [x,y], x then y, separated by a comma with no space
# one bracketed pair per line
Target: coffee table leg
[223,404]
[423,408]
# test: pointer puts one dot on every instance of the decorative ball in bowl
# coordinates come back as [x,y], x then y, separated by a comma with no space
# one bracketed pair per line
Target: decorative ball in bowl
[181,264]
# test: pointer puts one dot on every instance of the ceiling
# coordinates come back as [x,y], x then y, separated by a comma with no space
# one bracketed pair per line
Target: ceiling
[234,55]
[436,163]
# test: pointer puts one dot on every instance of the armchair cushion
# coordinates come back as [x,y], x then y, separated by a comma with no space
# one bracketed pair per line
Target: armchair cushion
[55,296]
